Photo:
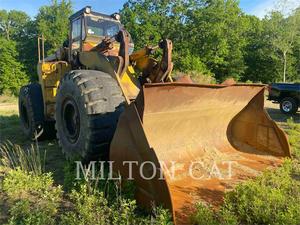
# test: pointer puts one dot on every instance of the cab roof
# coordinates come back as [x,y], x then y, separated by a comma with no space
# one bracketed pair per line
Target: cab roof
[82,11]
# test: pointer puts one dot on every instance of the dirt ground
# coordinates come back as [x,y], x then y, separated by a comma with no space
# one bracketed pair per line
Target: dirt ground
[275,113]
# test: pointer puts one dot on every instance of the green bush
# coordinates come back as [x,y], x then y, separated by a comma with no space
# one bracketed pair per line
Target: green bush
[192,65]
[273,198]
[32,199]
[204,215]
[23,212]
[69,175]
[88,209]
[197,77]
[93,208]
[110,188]
[188,62]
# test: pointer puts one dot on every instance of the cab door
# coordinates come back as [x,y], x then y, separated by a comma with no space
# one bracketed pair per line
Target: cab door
[77,34]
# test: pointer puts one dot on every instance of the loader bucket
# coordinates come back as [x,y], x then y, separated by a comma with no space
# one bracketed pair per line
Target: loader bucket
[190,142]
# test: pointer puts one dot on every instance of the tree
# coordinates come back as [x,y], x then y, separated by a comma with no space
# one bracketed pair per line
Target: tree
[216,34]
[296,50]
[160,19]
[13,24]
[27,48]
[264,60]
[17,26]
[262,63]
[53,22]
[285,31]
[12,76]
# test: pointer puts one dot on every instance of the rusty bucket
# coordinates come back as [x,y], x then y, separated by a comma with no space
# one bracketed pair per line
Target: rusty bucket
[190,142]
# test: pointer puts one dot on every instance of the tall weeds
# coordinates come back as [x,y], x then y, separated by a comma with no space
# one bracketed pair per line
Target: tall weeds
[13,156]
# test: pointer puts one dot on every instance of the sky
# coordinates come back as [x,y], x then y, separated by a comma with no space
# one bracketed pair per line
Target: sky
[258,8]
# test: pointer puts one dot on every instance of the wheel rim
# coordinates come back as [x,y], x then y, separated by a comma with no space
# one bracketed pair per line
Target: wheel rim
[71,120]
[24,115]
[287,106]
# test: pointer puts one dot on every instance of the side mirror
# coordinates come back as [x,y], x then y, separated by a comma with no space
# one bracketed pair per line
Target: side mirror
[66,44]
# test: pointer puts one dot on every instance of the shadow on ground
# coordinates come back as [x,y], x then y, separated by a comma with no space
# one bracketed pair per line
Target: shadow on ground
[10,130]
[278,116]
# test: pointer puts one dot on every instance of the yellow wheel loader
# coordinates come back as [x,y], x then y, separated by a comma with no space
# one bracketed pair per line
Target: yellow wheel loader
[180,142]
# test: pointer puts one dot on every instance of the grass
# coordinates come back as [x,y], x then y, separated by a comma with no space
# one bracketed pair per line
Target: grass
[8,99]
[293,131]
[15,157]
[10,130]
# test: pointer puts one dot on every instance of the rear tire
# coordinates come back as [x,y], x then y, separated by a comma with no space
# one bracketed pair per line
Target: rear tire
[31,113]
[88,105]
[288,105]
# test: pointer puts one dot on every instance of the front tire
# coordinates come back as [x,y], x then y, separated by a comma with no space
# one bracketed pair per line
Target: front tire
[88,105]
[288,105]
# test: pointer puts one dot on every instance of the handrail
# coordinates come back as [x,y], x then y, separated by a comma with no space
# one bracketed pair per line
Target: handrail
[41,40]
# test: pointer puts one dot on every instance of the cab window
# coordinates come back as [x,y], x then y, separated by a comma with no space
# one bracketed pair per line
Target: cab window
[76,28]
[101,27]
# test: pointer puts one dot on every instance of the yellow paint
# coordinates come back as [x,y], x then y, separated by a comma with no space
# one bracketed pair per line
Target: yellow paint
[131,70]
[142,59]
[130,83]
[50,74]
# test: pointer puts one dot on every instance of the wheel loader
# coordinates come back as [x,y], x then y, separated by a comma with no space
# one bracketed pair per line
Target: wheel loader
[101,97]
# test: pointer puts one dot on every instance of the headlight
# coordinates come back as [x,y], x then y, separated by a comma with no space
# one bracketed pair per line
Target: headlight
[88,9]
[116,16]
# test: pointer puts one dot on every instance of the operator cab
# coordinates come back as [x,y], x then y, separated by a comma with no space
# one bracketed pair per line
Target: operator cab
[101,27]
[89,29]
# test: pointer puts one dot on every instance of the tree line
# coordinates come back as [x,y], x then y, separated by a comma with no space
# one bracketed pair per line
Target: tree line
[211,37]
[18,41]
